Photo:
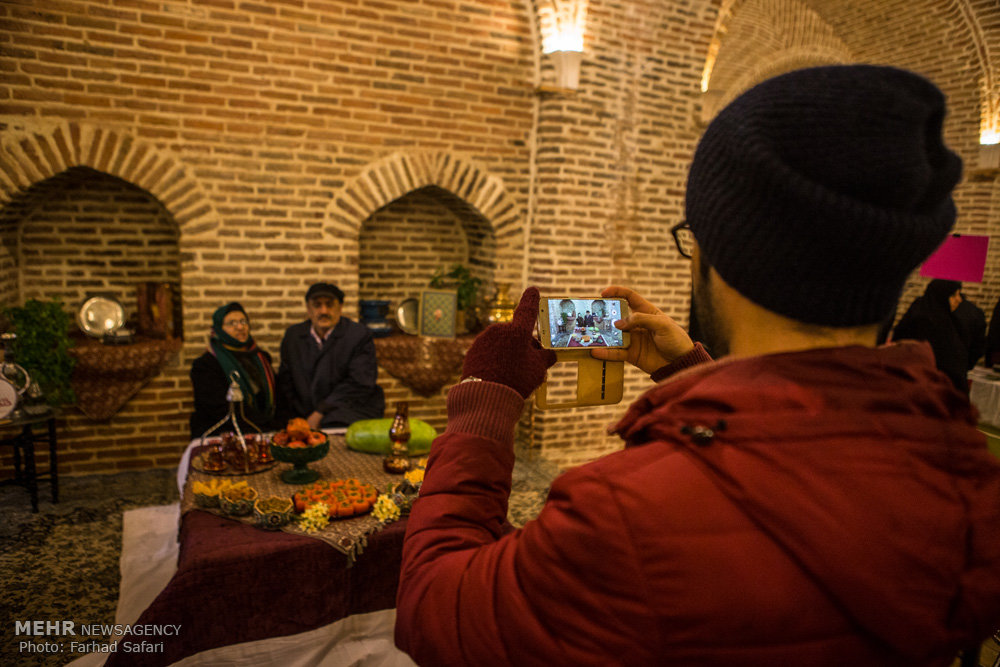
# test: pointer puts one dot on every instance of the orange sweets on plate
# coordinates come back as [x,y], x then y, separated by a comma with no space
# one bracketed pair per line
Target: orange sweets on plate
[344,497]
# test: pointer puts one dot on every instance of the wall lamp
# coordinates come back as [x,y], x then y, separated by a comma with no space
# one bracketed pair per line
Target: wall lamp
[989,135]
[562,41]
[567,68]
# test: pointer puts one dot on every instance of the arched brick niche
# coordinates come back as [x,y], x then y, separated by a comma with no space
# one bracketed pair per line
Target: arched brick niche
[402,244]
[81,232]
[31,152]
[87,209]
[485,223]
[410,214]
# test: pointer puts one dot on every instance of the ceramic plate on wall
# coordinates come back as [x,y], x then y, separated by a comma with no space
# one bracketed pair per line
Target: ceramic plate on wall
[408,316]
[100,315]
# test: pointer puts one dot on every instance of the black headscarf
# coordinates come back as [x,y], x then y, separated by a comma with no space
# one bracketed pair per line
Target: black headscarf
[929,318]
[256,377]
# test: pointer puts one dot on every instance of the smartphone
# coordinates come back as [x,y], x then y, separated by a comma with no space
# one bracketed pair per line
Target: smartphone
[568,323]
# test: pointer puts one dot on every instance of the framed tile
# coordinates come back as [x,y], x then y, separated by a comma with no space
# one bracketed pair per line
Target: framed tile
[438,310]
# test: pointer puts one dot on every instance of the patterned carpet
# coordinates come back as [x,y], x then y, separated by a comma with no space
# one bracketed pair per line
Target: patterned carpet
[62,564]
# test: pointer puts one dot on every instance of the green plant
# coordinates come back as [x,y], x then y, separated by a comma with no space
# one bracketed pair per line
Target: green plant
[467,285]
[42,347]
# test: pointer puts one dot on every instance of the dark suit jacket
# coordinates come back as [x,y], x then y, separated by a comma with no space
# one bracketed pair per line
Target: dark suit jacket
[338,380]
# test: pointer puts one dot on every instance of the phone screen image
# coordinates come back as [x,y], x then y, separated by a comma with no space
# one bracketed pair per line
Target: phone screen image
[578,323]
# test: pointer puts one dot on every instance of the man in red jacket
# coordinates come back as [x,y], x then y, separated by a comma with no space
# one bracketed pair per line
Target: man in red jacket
[811,499]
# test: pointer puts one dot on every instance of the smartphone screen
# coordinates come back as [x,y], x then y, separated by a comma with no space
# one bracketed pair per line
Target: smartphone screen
[569,323]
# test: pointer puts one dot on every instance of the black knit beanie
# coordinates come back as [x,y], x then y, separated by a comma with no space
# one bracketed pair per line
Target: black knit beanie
[816,193]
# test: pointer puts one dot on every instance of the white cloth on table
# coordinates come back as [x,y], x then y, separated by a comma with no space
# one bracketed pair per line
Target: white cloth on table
[984,392]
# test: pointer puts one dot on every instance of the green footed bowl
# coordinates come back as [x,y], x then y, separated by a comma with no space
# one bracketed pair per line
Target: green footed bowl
[300,458]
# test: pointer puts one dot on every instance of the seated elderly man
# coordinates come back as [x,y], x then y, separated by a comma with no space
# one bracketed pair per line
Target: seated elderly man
[328,370]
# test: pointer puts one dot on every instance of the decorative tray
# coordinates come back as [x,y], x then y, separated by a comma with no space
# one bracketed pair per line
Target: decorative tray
[200,462]
[101,315]
[407,315]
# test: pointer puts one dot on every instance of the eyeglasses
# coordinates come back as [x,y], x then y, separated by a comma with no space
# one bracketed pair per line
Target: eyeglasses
[683,238]
[232,324]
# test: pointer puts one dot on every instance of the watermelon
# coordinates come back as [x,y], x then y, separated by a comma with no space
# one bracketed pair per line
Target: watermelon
[372,436]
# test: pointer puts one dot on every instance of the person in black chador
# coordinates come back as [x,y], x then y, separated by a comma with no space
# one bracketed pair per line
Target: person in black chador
[993,337]
[971,323]
[231,348]
[929,318]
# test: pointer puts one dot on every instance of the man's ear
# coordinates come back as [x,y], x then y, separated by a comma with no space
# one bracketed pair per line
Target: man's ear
[699,265]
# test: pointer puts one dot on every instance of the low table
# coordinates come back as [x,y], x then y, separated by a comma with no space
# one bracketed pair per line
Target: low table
[26,474]
[236,583]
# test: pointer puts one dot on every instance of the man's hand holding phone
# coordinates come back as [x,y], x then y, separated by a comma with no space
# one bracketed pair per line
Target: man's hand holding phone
[656,339]
[508,353]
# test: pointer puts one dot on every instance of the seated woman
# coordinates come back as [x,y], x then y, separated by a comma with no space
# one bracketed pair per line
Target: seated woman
[231,348]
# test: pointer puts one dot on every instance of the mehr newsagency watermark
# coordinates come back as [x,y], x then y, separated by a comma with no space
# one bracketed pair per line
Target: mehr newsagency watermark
[70,637]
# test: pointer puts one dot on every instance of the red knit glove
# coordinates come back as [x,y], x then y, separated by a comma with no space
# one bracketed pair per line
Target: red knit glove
[508,354]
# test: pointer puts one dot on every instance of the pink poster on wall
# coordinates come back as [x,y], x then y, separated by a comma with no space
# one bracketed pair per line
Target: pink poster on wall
[961,257]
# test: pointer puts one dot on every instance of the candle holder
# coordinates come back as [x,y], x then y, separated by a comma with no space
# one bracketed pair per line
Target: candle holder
[245,456]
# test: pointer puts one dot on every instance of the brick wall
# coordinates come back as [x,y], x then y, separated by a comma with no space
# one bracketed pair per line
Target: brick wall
[248,123]
[284,142]
[612,167]
[93,233]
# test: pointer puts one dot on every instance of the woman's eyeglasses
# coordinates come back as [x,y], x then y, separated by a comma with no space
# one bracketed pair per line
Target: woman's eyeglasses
[233,324]
[683,238]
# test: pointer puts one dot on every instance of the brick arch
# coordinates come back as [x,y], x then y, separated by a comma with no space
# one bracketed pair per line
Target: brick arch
[795,35]
[398,174]
[32,153]
[786,61]
[972,16]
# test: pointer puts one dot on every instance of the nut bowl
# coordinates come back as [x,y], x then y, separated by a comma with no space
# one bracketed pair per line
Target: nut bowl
[272,513]
[238,501]
[206,494]
[300,457]
[206,499]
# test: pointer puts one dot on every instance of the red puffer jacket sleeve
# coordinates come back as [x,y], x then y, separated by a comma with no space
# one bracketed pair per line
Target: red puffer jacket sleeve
[566,589]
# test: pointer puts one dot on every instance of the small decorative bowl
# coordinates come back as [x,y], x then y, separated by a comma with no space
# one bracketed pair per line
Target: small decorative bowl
[238,501]
[300,457]
[403,494]
[273,513]
[206,499]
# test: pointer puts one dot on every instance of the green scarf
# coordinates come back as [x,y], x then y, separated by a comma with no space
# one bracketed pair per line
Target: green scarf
[256,377]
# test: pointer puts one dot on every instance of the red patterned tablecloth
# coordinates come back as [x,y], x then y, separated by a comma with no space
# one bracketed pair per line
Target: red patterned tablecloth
[238,583]
[349,536]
